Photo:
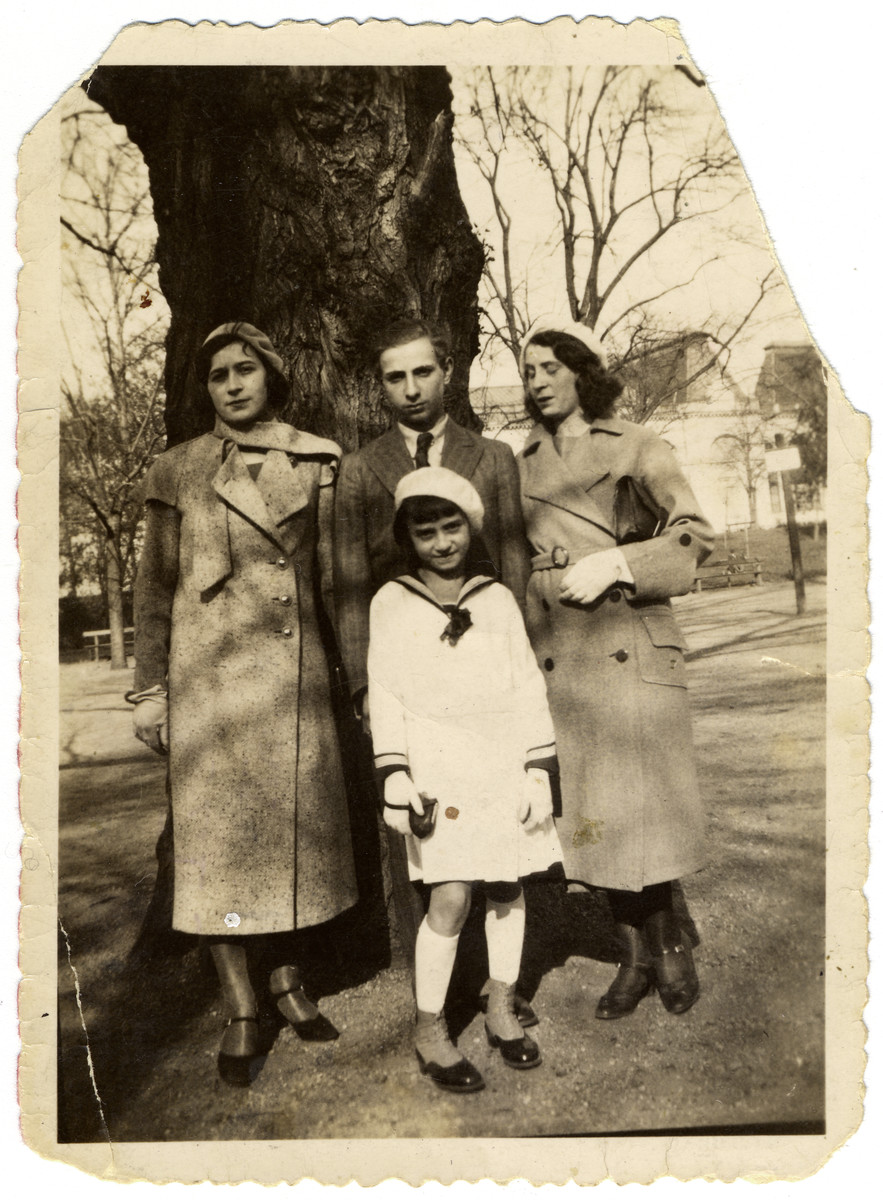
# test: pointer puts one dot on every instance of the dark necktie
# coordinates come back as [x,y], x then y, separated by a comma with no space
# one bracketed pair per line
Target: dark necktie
[424,441]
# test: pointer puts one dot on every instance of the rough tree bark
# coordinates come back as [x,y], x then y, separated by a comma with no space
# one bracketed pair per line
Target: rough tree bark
[318,203]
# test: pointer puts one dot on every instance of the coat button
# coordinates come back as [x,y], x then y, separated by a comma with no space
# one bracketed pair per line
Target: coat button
[621,655]
[685,539]
[281,563]
[549,664]
[286,632]
[616,595]
[286,600]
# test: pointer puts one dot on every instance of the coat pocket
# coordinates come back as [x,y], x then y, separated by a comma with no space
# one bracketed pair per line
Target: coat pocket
[661,654]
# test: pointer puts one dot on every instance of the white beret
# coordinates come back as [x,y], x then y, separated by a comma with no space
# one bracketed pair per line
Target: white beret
[442,484]
[552,323]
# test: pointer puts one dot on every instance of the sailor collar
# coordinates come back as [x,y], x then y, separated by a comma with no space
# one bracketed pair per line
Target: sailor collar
[459,618]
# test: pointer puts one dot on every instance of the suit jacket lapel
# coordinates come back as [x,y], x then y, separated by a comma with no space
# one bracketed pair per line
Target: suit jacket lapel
[462,450]
[551,481]
[389,459]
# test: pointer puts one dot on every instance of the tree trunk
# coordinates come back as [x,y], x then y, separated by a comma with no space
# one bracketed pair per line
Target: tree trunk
[318,203]
[114,597]
[752,504]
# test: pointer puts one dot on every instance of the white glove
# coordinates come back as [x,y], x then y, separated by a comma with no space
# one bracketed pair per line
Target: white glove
[536,799]
[150,721]
[594,574]
[399,791]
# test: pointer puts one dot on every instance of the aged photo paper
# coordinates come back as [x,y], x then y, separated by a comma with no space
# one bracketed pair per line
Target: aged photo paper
[120,1015]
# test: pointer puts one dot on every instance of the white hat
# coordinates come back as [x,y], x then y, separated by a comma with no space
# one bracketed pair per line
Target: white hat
[552,323]
[442,484]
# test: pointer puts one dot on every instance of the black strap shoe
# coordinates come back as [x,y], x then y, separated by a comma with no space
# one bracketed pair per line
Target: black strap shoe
[633,980]
[239,1049]
[626,992]
[300,1013]
[676,978]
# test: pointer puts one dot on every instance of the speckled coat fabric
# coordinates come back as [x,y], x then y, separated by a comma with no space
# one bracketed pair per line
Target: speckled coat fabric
[633,814]
[227,608]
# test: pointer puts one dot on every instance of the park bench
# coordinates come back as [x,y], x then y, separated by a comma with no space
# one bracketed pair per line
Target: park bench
[98,641]
[733,571]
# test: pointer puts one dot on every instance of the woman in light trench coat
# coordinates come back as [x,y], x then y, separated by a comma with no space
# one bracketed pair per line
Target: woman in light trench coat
[232,682]
[615,531]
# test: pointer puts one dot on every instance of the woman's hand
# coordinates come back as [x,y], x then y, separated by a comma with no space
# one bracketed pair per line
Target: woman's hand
[536,799]
[591,576]
[400,795]
[150,720]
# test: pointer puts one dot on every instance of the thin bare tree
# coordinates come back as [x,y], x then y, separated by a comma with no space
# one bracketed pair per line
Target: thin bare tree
[114,325]
[624,173]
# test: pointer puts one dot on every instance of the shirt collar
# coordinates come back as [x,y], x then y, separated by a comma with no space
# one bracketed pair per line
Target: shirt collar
[411,435]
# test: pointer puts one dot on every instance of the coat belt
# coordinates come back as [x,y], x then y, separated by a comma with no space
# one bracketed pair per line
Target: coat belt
[560,557]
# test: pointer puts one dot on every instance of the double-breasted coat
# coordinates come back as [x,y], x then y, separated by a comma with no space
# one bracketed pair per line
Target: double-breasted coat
[366,555]
[227,614]
[615,673]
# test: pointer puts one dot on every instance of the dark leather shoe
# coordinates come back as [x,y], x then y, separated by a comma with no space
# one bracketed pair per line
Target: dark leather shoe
[524,1014]
[676,978]
[239,1049]
[461,1077]
[520,1053]
[631,985]
[301,1014]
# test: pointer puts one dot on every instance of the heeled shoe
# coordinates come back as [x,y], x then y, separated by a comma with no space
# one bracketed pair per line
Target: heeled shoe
[676,978]
[633,979]
[503,1031]
[672,957]
[457,1074]
[301,1014]
[238,1050]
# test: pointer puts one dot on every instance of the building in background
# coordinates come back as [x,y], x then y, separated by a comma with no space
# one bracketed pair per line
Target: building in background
[720,432]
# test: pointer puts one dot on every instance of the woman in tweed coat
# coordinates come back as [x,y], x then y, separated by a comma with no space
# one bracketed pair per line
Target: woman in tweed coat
[615,531]
[232,682]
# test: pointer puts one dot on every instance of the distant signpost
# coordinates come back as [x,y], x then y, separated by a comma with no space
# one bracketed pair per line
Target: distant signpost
[783,460]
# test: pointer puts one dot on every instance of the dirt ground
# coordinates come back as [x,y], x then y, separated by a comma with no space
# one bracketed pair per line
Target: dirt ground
[748,1056]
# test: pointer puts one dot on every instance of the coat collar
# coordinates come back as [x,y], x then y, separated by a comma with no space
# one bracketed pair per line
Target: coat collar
[269,502]
[549,479]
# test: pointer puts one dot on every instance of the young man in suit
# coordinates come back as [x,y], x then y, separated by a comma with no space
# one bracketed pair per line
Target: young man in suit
[414,366]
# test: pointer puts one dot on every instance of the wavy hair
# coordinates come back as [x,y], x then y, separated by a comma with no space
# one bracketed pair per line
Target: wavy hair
[597,389]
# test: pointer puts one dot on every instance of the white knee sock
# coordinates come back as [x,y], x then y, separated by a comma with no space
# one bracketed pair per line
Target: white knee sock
[434,956]
[504,930]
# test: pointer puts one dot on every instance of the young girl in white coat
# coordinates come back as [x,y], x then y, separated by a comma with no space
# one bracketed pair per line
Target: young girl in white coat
[463,744]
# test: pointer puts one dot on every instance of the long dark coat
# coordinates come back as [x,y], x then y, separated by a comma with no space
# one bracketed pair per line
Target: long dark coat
[632,811]
[226,610]
[366,555]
